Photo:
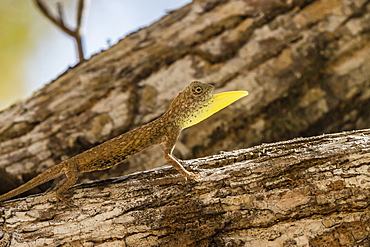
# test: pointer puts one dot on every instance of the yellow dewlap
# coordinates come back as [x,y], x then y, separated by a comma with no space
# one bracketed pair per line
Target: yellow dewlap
[218,102]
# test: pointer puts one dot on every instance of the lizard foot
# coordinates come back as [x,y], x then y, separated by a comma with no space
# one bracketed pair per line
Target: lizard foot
[63,201]
[195,177]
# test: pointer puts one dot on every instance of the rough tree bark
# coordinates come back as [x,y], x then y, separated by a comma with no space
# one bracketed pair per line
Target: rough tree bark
[304,62]
[304,192]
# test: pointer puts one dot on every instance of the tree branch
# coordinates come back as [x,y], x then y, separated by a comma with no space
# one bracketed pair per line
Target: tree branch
[58,20]
[308,72]
[257,195]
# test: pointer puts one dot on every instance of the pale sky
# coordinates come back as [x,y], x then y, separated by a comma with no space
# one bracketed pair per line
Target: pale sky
[108,20]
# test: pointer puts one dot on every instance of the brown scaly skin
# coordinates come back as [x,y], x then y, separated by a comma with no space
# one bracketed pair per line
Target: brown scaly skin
[165,130]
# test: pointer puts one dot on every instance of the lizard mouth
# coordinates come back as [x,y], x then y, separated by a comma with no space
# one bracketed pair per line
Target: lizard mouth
[215,104]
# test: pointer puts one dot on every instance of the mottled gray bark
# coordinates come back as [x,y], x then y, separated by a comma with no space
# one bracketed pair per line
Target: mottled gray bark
[304,62]
[303,192]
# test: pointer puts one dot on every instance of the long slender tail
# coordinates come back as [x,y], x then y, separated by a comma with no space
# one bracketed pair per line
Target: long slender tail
[44,177]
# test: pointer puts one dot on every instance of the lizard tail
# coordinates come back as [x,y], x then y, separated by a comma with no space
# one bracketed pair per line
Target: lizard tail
[49,174]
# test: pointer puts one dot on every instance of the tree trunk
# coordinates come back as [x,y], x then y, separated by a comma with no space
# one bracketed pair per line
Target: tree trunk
[306,65]
[303,192]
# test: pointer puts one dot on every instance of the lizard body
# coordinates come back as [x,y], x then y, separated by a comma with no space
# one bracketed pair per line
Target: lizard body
[191,106]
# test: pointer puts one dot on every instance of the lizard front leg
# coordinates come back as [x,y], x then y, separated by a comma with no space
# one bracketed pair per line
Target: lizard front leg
[169,145]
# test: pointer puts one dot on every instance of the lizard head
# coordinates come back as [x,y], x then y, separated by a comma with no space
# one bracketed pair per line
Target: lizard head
[197,102]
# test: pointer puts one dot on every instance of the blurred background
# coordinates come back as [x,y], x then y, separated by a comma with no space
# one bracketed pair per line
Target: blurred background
[33,51]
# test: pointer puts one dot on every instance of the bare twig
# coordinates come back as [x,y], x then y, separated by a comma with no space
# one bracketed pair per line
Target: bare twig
[58,20]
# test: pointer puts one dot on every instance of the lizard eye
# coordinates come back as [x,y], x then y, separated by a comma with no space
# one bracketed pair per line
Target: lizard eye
[197,90]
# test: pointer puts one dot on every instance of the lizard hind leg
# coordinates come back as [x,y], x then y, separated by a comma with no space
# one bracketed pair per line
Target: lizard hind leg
[71,174]
[57,185]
